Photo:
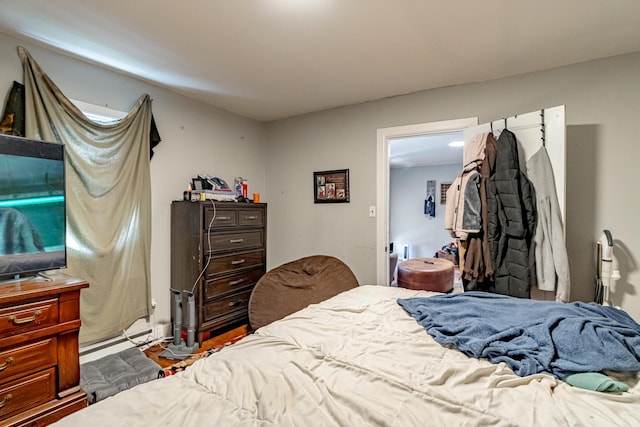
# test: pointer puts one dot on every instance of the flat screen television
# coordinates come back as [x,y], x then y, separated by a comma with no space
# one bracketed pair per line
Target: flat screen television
[32,207]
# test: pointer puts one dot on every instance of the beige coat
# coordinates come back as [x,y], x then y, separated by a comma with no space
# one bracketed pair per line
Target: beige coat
[463,206]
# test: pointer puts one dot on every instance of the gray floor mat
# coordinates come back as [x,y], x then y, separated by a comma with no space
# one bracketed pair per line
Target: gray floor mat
[116,372]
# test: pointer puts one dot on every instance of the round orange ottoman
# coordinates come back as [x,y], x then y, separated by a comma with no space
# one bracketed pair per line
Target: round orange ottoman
[426,274]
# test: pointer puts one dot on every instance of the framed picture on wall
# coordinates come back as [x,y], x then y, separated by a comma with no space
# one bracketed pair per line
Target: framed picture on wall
[331,186]
[443,192]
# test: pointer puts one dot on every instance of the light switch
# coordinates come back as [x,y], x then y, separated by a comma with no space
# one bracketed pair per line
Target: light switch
[372,211]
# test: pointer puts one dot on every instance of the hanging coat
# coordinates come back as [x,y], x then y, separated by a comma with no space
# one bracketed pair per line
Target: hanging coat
[462,209]
[510,221]
[552,261]
[463,205]
[478,269]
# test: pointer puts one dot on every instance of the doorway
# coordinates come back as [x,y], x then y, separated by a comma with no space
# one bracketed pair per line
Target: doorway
[420,169]
[385,138]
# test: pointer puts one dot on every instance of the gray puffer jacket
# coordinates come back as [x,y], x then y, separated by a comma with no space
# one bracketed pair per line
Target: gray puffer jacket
[510,221]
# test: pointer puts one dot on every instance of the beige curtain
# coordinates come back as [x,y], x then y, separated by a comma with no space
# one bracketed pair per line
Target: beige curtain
[108,201]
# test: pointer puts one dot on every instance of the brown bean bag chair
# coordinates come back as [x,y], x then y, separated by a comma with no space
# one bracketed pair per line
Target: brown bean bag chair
[296,284]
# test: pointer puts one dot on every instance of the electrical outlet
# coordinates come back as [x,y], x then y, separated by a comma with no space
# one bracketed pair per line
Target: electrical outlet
[154,303]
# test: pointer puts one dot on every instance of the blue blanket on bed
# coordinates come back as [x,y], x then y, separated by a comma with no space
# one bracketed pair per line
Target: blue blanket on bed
[531,336]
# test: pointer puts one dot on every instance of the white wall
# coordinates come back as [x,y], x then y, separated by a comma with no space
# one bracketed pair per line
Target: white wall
[602,100]
[408,225]
[196,138]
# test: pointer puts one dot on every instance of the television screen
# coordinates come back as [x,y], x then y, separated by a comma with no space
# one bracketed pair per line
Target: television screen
[32,206]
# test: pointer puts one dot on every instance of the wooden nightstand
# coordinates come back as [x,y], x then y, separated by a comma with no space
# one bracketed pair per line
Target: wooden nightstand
[39,365]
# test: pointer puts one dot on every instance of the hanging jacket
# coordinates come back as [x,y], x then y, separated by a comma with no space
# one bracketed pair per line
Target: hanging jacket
[462,209]
[510,221]
[552,261]
[478,269]
[463,206]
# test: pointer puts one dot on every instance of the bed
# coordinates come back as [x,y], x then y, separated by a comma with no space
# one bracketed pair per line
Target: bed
[356,359]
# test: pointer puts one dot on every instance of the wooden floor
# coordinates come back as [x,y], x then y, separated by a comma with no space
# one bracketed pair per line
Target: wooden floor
[153,353]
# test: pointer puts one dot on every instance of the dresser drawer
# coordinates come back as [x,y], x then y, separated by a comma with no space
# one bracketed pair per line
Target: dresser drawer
[28,392]
[214,288]
[237,240]
[27,317]
[226,305]
[223,218]
[251,217]
[239,261]
[27,358]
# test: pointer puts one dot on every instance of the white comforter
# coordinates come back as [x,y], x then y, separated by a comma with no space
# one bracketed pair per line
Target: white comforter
[355,360]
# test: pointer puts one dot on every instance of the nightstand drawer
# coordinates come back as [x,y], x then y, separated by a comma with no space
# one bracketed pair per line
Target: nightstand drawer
[22,318]
[223,218]
[223,306]
[28,392]
[227,284]
[237,240]
[27,358]
[236,261]
[251,217]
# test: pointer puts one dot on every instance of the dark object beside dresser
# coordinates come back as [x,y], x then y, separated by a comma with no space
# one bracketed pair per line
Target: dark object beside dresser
[232,251]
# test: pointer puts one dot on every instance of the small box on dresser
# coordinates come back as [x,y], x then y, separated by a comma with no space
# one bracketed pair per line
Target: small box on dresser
[39,363]
[218,251]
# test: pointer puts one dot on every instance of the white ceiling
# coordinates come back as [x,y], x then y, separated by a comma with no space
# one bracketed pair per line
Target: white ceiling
[271,59]
[425,150]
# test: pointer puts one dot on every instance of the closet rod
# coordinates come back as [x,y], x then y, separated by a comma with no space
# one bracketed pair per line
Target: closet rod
[521,127]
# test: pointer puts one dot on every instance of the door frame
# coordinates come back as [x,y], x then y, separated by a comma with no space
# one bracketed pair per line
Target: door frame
[384,135]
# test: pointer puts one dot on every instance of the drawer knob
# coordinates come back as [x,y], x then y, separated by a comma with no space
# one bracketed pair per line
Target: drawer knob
[13,319]
[236,240]
[6,400]
[224,218]
[236,282]
[251,217]
[6,364]
[234,303]
[238,262]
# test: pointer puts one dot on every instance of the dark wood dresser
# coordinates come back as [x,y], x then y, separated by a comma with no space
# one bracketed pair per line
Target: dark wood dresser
[39,365]
[218,250]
